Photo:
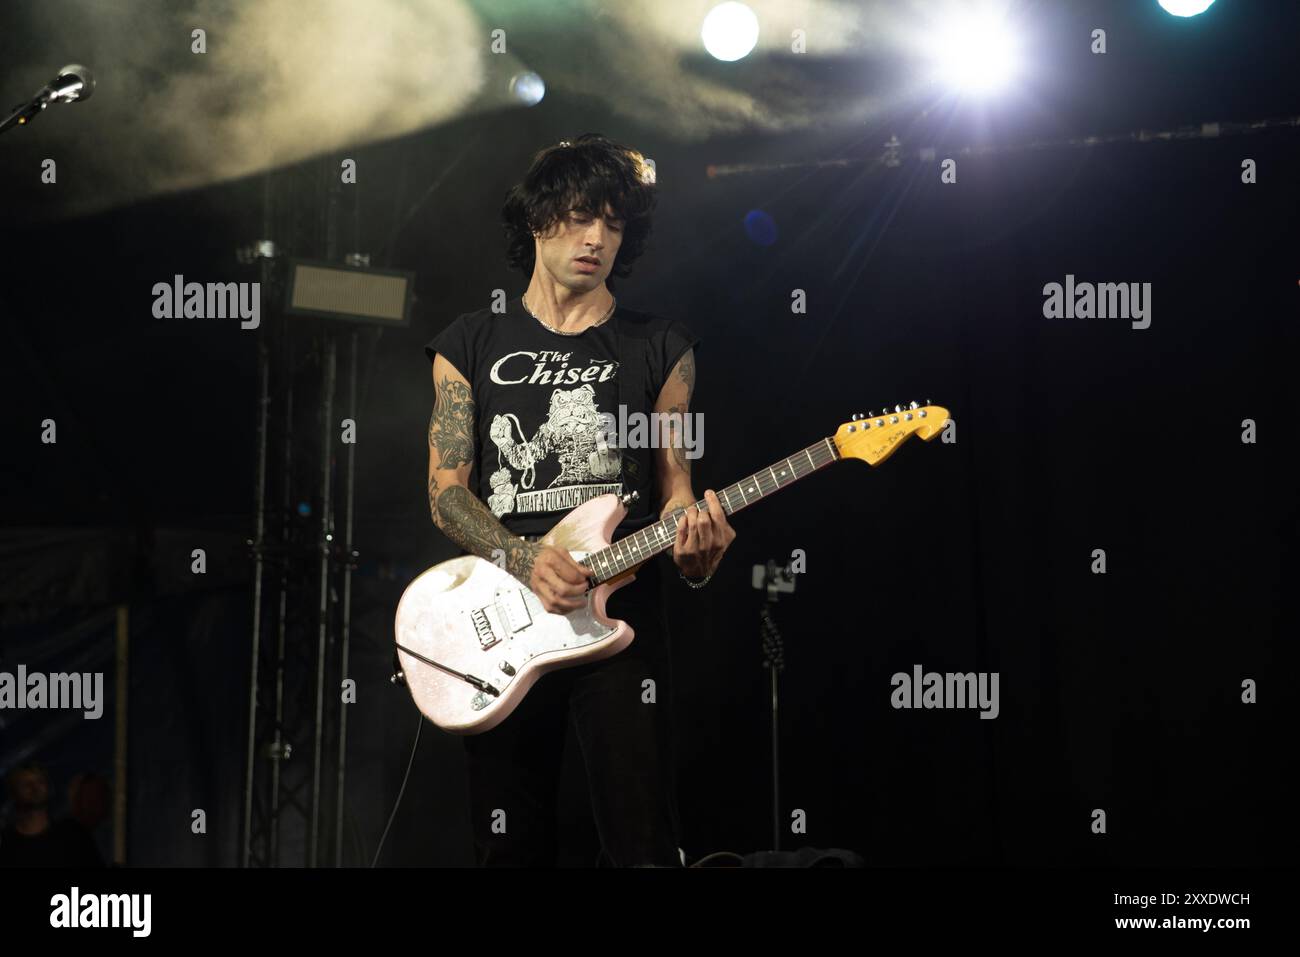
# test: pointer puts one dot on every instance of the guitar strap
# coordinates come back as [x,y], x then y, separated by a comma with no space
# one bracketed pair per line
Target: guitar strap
[634,397]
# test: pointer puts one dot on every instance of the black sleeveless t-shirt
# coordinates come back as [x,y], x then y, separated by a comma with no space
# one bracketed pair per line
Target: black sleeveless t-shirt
[540,396]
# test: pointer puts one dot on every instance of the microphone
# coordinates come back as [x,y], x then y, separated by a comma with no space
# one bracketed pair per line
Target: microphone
[74,82]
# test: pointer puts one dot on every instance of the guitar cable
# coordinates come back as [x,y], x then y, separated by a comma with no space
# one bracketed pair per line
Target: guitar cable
[402,790]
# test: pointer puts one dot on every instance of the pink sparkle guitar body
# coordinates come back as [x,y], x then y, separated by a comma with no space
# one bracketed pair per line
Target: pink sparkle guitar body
[472,617]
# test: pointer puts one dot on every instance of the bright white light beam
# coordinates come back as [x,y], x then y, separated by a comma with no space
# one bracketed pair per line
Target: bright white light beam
[976,53]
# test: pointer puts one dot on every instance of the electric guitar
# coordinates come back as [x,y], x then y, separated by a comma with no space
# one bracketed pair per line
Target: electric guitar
[472,639]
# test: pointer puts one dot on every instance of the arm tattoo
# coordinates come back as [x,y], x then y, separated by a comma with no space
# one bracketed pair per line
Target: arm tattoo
[686,371]
[451,425]
[460,515]
[470,524]
[676,426]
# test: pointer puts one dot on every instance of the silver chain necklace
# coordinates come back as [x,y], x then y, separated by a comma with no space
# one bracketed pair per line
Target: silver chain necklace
[558,332]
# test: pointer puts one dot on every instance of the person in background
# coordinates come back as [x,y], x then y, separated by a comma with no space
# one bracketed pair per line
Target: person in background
[33,839]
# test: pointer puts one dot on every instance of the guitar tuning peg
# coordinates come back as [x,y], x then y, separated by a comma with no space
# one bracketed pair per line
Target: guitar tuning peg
[871,414]
[928,402]
[855,418]
[898,408]
[914,405]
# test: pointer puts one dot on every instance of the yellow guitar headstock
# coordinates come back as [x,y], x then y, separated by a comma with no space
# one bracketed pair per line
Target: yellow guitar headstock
[874,437]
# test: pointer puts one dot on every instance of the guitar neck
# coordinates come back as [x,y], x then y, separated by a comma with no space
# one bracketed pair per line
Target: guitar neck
[631,551]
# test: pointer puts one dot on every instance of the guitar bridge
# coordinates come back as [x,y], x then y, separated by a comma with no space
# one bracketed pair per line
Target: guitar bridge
[483,628]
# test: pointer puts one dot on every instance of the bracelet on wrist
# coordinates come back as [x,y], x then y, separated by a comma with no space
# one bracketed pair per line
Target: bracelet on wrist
[694,582]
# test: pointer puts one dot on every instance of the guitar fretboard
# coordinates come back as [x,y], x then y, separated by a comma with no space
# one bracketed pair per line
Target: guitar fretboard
[650,541]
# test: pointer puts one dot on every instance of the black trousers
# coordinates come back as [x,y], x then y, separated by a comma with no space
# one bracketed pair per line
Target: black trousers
[620,710]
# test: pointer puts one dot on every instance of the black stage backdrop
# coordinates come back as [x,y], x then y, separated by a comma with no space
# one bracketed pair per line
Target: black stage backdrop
[1120,691]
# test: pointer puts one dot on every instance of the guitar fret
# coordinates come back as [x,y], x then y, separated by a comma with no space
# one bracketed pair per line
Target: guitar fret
[647,542]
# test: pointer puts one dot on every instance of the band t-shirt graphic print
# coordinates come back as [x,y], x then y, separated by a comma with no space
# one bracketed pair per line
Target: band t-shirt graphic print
[545,403]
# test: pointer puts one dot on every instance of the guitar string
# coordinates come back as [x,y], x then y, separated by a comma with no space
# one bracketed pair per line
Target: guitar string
[618,557]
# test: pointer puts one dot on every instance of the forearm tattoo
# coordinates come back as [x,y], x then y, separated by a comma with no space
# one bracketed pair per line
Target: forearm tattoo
[452,423]
[470,524]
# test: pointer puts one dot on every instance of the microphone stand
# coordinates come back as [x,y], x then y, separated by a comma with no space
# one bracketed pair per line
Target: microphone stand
[773,581]
[23,112]
[73,83]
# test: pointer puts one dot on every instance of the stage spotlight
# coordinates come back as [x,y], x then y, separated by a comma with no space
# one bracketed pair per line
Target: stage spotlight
[1186,8]
[975,53]
[527,88]
[730,31]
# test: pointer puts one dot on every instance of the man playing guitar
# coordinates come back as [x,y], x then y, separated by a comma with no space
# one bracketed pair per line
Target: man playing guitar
[520,395]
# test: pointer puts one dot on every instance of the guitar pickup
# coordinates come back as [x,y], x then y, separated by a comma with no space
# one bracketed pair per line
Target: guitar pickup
[514,610]
[483,628]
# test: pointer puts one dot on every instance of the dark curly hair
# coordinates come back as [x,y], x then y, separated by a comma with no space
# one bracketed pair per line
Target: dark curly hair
[583,175]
